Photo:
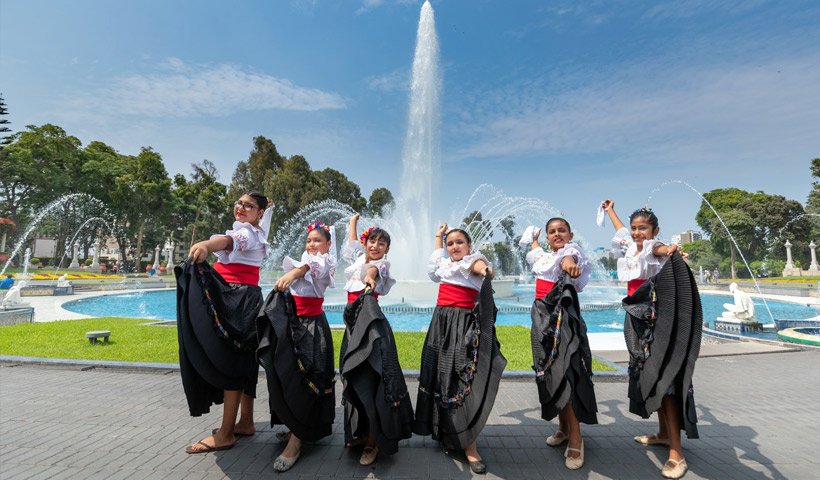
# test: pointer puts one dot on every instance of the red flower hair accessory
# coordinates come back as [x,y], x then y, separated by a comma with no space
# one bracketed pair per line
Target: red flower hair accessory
[365,234]
[314,226]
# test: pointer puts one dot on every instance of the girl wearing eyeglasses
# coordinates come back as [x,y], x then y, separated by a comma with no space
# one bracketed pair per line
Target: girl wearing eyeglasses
[216,320]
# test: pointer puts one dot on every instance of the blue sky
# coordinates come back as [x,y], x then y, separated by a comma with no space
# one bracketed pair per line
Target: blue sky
[566,101]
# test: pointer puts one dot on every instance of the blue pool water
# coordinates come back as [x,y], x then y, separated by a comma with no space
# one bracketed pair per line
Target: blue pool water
[162,306]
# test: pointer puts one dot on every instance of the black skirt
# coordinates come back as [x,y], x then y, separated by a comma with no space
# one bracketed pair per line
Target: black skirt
[663,327]
[217,335]
[561,356]
[297,355]
[461,367]
[374,391]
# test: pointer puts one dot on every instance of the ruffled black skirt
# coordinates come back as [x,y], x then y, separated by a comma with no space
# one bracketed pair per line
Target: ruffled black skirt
[217,335]
[561,356]
[663,327]
[374,391]
[297,355]
[461,367]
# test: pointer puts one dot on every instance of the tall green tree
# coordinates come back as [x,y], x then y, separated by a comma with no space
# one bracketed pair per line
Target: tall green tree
[199,204]
[755,220]
[262,164]
[380,202]
[333,184]
[5,137]
[293,187]
[478,228]
[143,193]
[38,166]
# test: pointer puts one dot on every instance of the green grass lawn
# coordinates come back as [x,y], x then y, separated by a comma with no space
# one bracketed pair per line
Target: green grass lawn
[132,341]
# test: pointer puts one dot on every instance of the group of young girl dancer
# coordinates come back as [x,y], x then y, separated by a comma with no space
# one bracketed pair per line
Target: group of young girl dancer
[226,330]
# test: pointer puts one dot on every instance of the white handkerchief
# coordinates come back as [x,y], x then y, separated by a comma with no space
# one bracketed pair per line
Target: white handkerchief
[526,237]
[601,216]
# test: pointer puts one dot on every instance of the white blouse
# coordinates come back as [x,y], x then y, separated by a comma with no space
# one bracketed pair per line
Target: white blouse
[353,253]
[318,279]
[546,264]
[633,264]
[442,269]
[250,244]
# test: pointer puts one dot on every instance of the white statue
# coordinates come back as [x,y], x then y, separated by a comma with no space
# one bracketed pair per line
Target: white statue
[743,309]
[13,297]
[63,281]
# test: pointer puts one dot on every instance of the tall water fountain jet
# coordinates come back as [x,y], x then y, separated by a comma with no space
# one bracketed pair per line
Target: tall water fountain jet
[421,156]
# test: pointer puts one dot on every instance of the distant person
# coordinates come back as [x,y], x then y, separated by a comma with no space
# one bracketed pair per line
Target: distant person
[7,282]
[716,275]
[216,315]
[658,329]
[707,276]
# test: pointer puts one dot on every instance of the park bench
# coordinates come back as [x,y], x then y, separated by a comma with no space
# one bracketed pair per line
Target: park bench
[94,336]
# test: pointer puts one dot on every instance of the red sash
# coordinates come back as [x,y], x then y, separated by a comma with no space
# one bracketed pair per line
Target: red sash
[542,287]
[352,296]
[238,273]
[308,306]
[633,285]
[450,295]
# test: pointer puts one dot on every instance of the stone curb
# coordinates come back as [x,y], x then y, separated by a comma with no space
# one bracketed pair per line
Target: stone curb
[619,375]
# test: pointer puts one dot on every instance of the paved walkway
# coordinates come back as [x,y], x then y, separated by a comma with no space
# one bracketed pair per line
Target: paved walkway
[758,419]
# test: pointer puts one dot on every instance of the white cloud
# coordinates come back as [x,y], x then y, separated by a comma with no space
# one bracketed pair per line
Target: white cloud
[658,112]
[396,81]
[182,90]
[677,9]
[369,5]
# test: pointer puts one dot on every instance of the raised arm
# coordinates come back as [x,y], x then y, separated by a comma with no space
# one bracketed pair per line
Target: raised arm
[609,208]
[442,230]
[354,221]
[535,234]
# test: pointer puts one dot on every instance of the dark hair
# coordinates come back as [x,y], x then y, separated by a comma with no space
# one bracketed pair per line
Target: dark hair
[321,228]
[646,213]
[260,198]
[557,219]
[466,235]
[379,234]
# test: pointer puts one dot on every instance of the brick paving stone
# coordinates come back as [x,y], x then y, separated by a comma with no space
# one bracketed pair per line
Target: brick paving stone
[755,420]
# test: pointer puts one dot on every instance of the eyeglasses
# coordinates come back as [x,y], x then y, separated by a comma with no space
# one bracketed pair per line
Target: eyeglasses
[244,206]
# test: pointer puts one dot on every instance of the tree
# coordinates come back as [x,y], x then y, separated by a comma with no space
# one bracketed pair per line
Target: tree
[143,193]
[39,165]
[262,164]
[701,254]
[756,222]
[333,184]
[479,229]
[507,225]
[293,187]
[381,201]
[199,204]
[508,263]
[4,138]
